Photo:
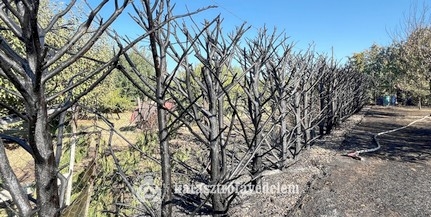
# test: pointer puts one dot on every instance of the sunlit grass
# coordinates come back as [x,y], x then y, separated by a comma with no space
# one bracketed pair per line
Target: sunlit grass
[121,125]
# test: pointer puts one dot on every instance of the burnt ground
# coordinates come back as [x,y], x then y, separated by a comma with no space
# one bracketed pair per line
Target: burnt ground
[393,181]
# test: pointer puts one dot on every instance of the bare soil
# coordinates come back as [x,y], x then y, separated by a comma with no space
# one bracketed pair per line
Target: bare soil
[393,181]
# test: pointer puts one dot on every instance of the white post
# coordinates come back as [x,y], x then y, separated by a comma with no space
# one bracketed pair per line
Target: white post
[72,160]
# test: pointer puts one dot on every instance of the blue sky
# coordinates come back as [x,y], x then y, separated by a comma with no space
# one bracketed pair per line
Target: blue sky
[346,25]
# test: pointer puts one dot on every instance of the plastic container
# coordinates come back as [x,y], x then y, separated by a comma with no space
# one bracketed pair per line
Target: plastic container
[386,100]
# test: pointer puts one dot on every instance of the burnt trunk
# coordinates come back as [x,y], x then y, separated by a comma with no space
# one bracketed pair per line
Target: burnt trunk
[322,108]
[257,164]
[307,124]
[45,163]
[166,162]
[214,144]
[221,137]
[283,130]
[298,139]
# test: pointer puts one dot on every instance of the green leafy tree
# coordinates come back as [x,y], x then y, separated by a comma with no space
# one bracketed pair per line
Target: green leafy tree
[143,68]
[31,64]
[416,64]
[382,65]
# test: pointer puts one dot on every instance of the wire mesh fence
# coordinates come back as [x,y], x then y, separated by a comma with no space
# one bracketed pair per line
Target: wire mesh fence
[98,154]
[115,162]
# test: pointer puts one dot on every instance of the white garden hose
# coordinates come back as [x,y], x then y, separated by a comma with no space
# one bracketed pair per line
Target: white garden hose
[355,154]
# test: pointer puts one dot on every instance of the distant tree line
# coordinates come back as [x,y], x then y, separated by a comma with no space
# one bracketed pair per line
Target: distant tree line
[403,68]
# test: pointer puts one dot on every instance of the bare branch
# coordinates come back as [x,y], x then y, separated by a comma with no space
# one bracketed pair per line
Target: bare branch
[69,104]
[14,110]
[124,177]
[10,58]
[59,15]
[11,92]
[5,8]
[12,184]
[78,35]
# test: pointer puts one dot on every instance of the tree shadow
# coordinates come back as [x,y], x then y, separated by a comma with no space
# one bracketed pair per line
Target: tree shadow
[411,144]
[188,203]
[128,128]
[383,114]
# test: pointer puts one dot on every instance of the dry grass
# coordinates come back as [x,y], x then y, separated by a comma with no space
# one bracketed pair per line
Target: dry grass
[121,124]
[22,162]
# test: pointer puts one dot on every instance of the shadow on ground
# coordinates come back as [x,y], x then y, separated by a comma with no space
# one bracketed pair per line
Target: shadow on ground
[412,144]
[393,181]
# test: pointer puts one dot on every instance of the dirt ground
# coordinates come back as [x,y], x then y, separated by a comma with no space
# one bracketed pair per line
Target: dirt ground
[393,181]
